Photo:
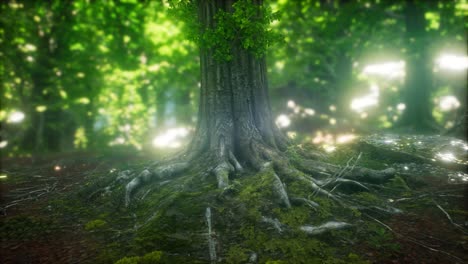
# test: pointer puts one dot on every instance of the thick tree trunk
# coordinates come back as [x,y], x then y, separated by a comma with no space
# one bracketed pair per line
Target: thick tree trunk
[418,83]
[235,127]
[234,118]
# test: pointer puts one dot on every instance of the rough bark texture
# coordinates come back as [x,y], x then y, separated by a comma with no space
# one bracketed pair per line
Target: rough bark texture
[235,127]
[234,120]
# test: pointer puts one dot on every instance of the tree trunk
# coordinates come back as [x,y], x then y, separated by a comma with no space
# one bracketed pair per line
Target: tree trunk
[234,118]
[418,83]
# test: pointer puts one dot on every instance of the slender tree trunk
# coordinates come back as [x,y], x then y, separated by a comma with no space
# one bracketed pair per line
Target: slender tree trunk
[234,118]
[418,83]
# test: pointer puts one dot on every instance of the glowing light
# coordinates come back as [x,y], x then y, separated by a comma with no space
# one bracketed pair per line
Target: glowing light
[452,62]
[28,48]
[346,138]
[309,111]
[401,106]
[389,141]
[359,104]
[371,99]
[3,143]
[16,117]
[30,59]
[446,157]
[291,104]
[126,127]
[332,108]
[329,148]
[332,121]
[283,121]
[279,65]
[406,168]
[118,141]
[3,176]
[292,134]
[321,138]
[462,176]
[363,115]
[448,103]
[449,124]
[57,168]
[171,138]
[390,70]
[41,108]
[459,143]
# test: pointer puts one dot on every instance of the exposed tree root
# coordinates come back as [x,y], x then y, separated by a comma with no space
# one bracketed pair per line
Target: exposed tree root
[332,225]
[322,178]
[264,158]
[146,176]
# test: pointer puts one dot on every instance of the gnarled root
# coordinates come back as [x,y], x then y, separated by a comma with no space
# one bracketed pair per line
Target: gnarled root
[146,176]
[356,173]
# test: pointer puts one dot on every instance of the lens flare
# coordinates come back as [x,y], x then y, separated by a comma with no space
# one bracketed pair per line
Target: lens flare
[389,70]
[283,121]
[16,117]
[452,62]
[449,102]
[170,138]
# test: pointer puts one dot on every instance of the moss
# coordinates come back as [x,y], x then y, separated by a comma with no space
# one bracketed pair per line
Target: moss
[257,194]
[325,209]
[293,217]
[301,249]
[25,227]
[237,255]
[367,198]
[95,225]
[150,258]
[379,238]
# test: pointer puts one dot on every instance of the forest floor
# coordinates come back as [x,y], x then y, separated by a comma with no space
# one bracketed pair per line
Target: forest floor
[47,217]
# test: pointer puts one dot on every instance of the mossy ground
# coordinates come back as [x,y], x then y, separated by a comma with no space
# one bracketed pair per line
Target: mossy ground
[165,222]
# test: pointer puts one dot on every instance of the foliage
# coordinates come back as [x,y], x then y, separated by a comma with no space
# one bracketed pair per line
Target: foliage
[114,74]
[247,24]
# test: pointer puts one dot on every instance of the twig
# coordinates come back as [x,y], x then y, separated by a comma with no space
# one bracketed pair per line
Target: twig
[449,218]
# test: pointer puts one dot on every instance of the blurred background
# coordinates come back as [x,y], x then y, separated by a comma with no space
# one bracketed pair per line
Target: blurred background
[124,75]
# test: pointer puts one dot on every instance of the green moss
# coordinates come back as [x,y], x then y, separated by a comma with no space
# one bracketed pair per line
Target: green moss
[293,217]
[95,225]
[325,209]
[25,227]
[380,239]
[237,255]
[150,258]
[257,193]
[367,198]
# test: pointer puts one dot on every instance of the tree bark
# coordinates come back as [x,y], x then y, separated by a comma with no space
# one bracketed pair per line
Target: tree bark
[234,118]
